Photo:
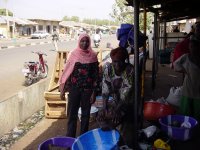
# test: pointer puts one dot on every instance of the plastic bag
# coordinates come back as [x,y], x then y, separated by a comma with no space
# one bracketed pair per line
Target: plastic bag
[162,100]
[175,96]
[149,131]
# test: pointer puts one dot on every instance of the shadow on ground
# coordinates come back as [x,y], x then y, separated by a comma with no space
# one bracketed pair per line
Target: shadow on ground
[166,78]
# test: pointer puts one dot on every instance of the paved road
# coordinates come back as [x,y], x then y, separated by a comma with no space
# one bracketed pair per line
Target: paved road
[26,41]
[12,59]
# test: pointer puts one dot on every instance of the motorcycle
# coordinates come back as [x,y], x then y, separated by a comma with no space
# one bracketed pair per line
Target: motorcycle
[96,43]
[35,70]
[97,39]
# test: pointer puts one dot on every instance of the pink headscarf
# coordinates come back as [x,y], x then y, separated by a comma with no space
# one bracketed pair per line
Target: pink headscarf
[77,55]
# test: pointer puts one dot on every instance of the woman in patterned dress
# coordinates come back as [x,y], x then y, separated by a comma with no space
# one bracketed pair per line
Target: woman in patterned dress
[118,82]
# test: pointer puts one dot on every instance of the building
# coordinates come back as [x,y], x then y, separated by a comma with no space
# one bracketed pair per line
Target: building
[46,24]
[14,26]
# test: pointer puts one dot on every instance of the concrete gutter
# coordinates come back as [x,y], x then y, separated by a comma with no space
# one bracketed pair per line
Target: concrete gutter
[22,105]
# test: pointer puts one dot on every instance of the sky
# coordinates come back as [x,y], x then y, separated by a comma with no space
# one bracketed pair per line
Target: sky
[57,9]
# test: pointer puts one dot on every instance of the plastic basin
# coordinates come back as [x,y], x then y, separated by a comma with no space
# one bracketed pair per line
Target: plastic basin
[93,113]
[97,139]
[155,110]
[61,142]
[99,101]
[178,133]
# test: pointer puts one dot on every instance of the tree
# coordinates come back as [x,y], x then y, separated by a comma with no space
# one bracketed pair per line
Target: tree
[73,18]
[3,12]
[124,14]
[121,13]
[66,18]
[99,22]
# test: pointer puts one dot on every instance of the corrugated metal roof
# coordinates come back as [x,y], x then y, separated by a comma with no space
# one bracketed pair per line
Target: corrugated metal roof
[171,10]
[74,24]
[70,24]
[44,19]
[18,20]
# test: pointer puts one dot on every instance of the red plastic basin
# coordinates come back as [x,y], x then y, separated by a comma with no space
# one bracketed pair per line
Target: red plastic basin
[155,110]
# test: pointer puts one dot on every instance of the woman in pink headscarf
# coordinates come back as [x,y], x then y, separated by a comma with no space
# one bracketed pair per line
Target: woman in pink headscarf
[79,78]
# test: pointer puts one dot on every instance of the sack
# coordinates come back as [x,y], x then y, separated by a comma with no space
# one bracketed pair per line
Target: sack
[175,95]
[125,36]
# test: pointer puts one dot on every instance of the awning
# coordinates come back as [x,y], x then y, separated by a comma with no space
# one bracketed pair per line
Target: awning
[74,24]
[70,24]
[18,21]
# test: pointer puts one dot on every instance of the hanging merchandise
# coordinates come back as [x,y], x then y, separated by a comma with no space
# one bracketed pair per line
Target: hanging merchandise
[125,34]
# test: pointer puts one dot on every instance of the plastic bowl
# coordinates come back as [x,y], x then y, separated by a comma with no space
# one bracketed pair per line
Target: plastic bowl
[155,110]
[93,113]
[99,101]
[61,142]
[97,139]
[178,133]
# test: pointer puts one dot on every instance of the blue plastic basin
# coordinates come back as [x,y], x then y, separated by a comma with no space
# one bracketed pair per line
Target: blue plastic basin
[97,139]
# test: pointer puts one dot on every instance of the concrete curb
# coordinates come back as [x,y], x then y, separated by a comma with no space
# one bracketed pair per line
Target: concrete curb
[31,44]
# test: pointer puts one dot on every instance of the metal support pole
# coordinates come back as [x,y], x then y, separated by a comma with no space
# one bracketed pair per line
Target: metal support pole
[142,78]
[136,64]
[153,83]
[165,35]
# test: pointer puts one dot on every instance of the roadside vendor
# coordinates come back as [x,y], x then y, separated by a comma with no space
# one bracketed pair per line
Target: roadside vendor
[190,65]
[118,79]
[183,46]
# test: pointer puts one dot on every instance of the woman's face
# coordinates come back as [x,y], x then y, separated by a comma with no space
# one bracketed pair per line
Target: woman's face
[84,43]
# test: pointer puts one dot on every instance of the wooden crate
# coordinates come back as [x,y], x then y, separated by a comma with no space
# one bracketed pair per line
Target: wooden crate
[54,106]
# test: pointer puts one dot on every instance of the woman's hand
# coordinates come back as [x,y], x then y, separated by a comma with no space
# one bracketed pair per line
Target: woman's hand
[62,95]
[118,114]
[117,117]
[93,97]
[102,115]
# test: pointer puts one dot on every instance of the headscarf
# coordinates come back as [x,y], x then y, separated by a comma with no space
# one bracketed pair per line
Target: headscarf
[119,53]
[77,55]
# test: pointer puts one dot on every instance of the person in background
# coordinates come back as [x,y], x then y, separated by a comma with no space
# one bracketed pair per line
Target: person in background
[183,46]
[55,38]
[190,65]
[118,82]
[97,38]
[79,78]
[176,29]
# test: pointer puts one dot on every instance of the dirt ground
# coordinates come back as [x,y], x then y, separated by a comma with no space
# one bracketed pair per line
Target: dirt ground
[48,128]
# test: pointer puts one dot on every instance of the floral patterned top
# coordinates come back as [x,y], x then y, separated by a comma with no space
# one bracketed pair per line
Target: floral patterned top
[84,76]
[120,87]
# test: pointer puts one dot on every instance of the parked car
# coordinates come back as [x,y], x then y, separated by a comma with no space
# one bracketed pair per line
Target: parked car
[2,36]
[39,35]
